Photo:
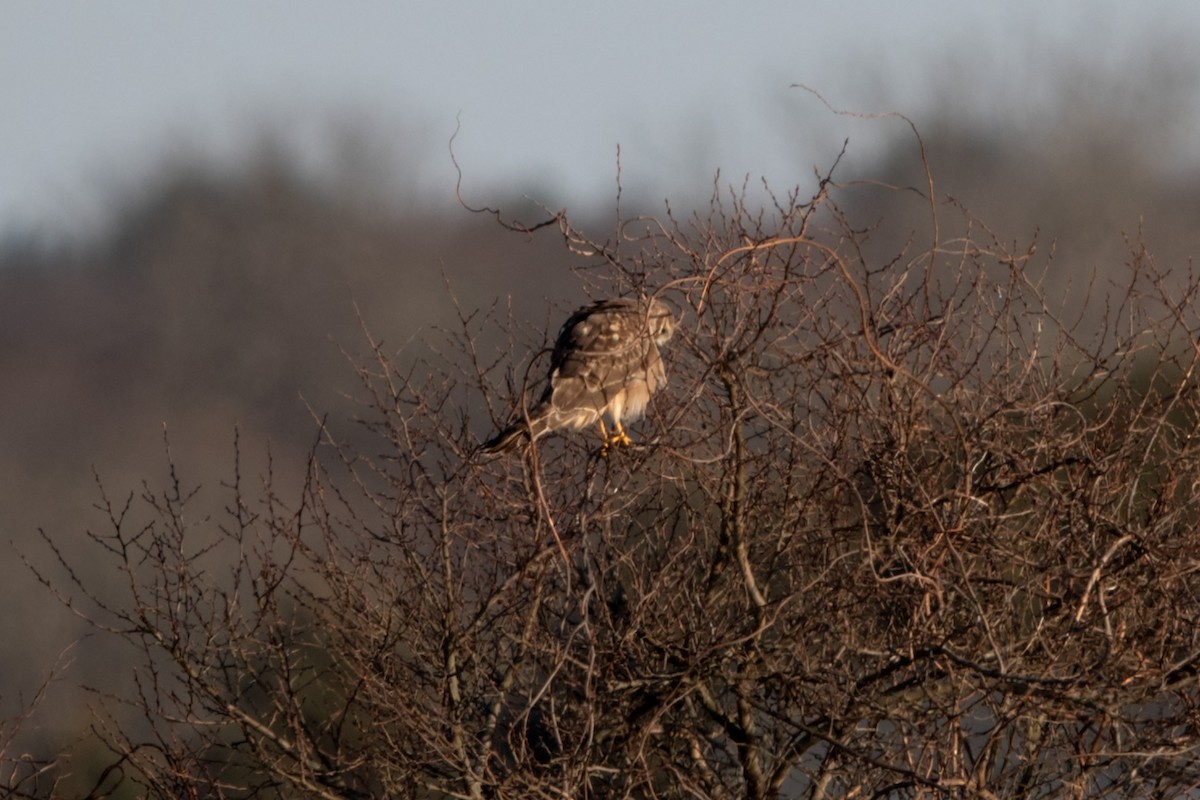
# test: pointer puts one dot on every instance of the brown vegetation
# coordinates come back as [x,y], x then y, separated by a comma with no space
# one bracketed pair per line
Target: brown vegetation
[900,526]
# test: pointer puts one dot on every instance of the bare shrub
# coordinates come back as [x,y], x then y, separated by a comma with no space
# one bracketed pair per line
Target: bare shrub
[22,773]
[897,528]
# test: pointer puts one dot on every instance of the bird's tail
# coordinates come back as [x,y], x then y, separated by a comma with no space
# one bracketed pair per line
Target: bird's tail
[514,437]
[518,434]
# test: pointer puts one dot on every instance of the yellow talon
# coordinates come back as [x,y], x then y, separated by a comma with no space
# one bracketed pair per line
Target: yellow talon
[617,437]
[621,437]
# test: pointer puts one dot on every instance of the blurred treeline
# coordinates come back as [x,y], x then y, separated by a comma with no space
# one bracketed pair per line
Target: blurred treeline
[217,300]
[221,298]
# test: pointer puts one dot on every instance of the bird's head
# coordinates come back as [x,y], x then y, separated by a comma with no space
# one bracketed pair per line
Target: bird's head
[661,321]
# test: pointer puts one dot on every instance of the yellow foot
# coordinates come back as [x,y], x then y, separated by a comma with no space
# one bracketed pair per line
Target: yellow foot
[617,437]
[610,440]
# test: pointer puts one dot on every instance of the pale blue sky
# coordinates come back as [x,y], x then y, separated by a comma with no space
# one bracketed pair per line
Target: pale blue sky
[94,93]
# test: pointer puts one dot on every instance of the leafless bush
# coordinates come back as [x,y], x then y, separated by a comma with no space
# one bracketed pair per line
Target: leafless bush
[898,528]
[22,773]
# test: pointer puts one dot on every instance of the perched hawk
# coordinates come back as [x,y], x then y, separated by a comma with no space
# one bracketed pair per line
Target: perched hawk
[605,361]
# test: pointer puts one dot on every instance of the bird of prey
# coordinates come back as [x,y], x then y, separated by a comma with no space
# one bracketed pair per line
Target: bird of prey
[605,362]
